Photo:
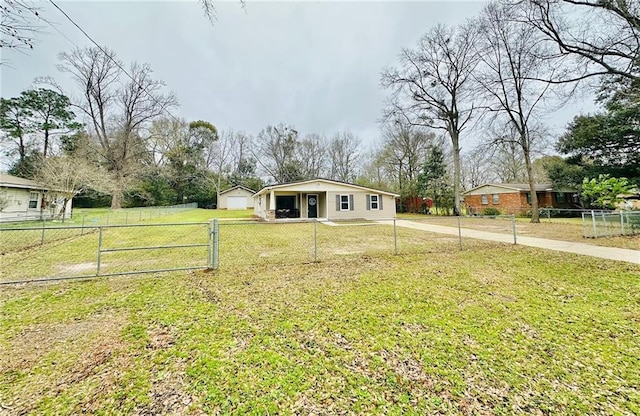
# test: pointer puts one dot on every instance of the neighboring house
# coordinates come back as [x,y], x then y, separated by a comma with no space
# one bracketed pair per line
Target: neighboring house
[514,198]
[630,201]
[23,199]
[324,198]
[237,197]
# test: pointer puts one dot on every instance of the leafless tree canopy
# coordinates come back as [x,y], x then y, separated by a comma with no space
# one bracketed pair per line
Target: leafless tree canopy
[118,106]
[344,152]
[602,35]
[312,153]
[510,67]
[432,86]
[18,26]
[403,153]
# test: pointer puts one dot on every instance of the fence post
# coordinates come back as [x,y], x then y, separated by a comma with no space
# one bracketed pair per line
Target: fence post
[595,228]
[140,216]
[126,217]
[216,241]
[108,213]
[315,240]
[210,244]
[42,236]
[82,230]
[459,233]
[513,225]
[549,214]
[622,223]
[604,220]
[395,237]
[99,250]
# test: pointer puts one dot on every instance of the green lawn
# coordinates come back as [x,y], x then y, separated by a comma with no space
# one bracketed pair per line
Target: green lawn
[105,216]
[492,329]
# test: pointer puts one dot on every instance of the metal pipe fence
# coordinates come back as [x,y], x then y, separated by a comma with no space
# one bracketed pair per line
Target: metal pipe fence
[31,255]
[80,252]
[597,224]
[96,217]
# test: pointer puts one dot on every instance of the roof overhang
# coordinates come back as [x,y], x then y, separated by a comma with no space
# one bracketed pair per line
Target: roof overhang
[283,186]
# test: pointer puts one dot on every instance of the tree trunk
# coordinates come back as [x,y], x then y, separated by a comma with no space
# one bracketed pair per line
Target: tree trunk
[117,195]
[535,215]
[456,172]
[46,143]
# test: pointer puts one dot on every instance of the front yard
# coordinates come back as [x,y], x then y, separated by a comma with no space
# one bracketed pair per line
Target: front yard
[492,329]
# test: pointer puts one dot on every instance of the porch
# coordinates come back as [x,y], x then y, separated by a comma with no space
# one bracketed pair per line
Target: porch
[288,204]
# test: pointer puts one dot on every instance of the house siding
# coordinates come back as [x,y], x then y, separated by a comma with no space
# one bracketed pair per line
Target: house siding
[360,206]
[327,192]
[18,207]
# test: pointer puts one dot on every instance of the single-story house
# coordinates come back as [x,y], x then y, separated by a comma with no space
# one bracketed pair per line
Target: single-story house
[514,198]
[238,197]
[323,198]
[23,199]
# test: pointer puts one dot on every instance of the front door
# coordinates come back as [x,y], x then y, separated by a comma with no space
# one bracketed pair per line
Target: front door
[312,206]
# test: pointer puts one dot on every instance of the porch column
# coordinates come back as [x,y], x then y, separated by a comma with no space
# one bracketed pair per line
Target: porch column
[272,200]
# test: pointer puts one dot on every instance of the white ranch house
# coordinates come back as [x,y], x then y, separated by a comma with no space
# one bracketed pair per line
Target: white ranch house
[325,199]
[23,200]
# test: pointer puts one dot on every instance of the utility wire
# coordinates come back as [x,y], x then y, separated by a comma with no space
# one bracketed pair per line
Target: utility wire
[140,86]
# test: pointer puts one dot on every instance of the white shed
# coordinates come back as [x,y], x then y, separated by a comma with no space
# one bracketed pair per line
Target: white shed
[238,197]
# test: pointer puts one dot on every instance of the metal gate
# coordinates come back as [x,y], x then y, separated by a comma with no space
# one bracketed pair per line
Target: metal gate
[61,253]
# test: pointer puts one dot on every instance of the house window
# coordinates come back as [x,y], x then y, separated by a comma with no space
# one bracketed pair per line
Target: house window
[529,198]
[484,199]
[495,199]
[561,197]
[374,202]
[344,203]
[33,199]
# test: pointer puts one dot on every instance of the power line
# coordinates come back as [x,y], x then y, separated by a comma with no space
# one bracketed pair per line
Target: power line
[140,86]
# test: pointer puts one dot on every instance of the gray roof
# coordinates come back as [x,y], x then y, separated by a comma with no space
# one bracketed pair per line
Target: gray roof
[10,181]
[522,187]
[352,185]
[238,187]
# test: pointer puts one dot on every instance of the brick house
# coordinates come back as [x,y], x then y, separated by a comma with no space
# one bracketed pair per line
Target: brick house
[515,198]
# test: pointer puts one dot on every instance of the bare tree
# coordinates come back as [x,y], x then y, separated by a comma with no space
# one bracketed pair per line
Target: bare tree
[602,35]
[312,153]
[119,109]
[511,54]
[477,170]
[374,172]
[343,154]
[432,86]
[218,156]
[68,175]
[277,146]
[404,151]
[17,24]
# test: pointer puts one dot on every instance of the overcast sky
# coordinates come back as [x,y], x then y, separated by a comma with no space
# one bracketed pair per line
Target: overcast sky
[315,65]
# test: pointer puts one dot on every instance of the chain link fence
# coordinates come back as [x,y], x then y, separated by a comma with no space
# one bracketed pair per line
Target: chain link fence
[71,252]
[598,224]
[98,216]
[55,253]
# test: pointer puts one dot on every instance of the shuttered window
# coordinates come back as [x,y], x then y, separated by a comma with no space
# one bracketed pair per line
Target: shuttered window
[344,202]
[484,199]
[374,202]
